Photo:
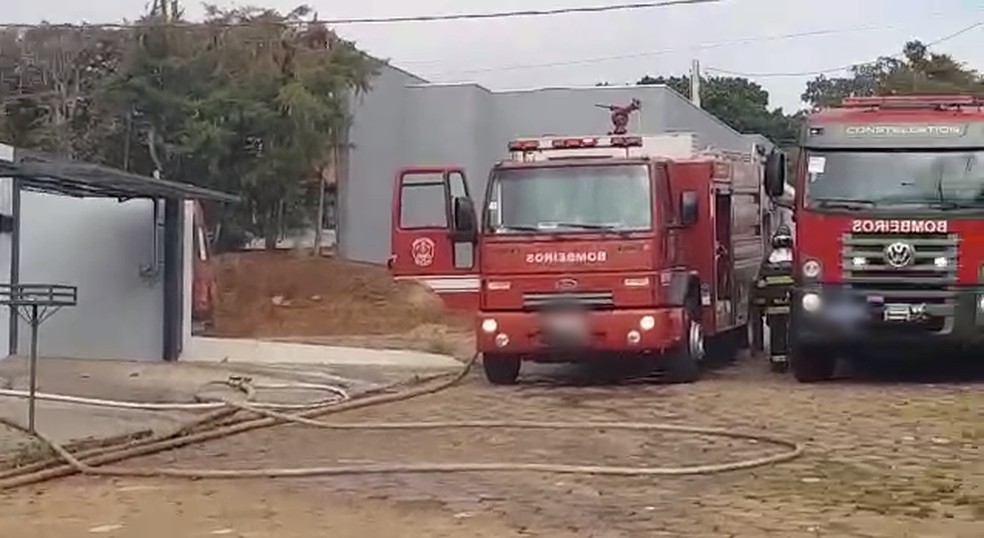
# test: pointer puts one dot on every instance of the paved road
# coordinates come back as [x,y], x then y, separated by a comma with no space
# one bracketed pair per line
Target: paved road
[885,459]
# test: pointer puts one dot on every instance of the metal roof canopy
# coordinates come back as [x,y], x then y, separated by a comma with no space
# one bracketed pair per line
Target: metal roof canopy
[72,178]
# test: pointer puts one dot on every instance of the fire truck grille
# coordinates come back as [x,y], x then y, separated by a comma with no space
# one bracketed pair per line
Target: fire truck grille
[592,300]
[902,267]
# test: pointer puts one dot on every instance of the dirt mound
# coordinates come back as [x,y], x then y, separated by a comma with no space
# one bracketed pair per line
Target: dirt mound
[277,294]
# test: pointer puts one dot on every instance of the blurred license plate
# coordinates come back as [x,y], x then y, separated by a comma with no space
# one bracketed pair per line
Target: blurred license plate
[897,312]
[567,323]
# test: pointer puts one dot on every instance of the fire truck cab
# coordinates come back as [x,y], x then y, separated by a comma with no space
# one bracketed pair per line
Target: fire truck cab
[889,246]
[591,247]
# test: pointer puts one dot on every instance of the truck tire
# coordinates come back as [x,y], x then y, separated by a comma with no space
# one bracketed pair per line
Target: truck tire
[501,369]
[811,364]
[682,364]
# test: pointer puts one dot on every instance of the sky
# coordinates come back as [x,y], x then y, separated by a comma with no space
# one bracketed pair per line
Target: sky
[741,36]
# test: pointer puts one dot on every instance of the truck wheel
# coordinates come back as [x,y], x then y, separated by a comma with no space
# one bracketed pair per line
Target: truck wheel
[811,364]
[500,369]
[683,363]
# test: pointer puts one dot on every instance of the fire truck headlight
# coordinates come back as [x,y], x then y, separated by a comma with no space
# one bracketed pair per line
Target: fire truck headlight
[647,323]
[941,262]
[489,326]
[811,302]
[980,304]
[501,340]
[811,269]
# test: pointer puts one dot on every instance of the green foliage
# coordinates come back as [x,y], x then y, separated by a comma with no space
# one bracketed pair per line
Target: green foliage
[915,71]
[48,80]
[740,103]
[743,104]
[252,101]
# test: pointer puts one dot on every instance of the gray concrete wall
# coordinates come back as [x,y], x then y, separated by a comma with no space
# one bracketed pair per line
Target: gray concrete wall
[378,136]
[100,246]
[403,122]
[681,115]
[454,125]
[188,272]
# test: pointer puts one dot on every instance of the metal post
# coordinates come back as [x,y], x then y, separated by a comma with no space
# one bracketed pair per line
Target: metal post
[13,330]
[34,303]
[35,322]
[695,83]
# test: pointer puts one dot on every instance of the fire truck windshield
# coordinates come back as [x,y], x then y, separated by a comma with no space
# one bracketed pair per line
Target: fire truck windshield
[564,199]
[856,180]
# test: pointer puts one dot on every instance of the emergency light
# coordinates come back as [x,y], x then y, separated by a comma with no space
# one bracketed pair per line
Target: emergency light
[572,143]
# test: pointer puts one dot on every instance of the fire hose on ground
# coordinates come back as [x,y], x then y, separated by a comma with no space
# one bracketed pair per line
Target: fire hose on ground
[249,388]
[92,462]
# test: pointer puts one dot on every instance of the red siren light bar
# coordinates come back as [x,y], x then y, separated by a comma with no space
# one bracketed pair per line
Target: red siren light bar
[524,145]
[912,101]
[560,143]
[574,143]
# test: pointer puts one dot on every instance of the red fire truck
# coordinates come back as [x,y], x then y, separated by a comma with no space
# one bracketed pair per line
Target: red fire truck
[591,246]
[889,246]
[204,288]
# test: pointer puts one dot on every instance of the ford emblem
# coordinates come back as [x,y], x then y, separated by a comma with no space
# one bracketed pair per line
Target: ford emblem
[566,284]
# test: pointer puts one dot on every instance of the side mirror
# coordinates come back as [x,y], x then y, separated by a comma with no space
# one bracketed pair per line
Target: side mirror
[689,207]
[775,174]
[464,226]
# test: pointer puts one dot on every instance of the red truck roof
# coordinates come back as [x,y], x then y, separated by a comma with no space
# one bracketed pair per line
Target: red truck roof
[903,108]
[670,146]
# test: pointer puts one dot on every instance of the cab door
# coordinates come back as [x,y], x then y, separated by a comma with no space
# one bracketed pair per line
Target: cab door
[435,234]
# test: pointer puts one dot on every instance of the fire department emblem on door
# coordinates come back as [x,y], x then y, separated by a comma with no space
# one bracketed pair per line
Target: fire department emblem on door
[899,254]
[422,250]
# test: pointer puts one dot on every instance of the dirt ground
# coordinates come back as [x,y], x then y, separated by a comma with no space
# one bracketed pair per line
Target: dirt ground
[884,459]
[293,294]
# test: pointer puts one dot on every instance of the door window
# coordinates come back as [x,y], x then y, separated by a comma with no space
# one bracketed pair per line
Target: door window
[422,201]
[457,185]
[464,251]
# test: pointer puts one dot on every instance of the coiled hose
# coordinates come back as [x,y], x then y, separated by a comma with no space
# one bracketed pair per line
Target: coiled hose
[91,463]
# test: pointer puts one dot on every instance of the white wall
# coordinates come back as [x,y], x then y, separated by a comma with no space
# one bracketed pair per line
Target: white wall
[188,258]
[100,246]
[6,191]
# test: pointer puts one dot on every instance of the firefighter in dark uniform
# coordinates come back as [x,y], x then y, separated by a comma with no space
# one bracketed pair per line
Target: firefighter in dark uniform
[772,295]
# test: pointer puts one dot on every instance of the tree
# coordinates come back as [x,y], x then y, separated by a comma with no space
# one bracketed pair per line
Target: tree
[738,102]
[254,102]
[250,101]
[48,78]
[915,71]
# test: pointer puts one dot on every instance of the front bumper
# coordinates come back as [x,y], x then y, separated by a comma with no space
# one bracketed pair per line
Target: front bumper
[609,331]
[849,316]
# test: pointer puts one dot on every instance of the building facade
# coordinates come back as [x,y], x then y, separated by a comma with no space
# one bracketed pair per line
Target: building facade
[405,121]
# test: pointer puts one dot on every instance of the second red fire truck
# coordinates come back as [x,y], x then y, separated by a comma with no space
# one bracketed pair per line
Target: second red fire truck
[889,246]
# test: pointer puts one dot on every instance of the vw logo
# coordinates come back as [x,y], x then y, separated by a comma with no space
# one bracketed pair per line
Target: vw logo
[899,255]
[566,284]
